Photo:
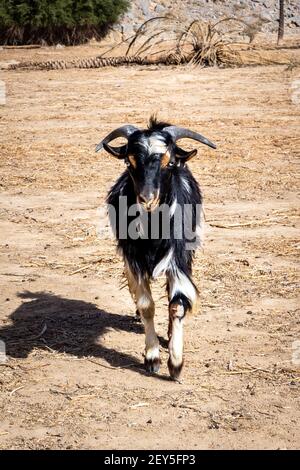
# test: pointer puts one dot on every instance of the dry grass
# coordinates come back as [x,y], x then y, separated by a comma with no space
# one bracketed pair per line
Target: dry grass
[75,376]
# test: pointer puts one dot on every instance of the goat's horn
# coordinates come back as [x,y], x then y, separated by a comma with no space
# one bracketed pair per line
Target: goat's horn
[180,133]
[124,131]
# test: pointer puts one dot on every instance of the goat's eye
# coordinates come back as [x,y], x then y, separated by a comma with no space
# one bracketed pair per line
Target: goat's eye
[127,164]
[171,164]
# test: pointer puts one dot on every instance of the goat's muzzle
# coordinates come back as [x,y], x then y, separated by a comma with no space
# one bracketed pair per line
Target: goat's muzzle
[149,202]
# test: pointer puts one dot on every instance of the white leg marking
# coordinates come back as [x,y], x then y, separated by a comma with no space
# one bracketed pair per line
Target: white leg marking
[152,344]
[176,340]
[180,283]
[145,305]
[144,301]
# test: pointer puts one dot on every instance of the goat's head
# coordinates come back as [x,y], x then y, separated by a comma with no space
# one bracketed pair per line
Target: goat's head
[149,153]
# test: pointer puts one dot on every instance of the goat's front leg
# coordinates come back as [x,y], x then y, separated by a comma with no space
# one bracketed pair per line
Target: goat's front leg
[182,298]
[141,293]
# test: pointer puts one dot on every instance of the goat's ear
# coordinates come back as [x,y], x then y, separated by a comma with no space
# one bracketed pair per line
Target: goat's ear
[118,152]
[183,155]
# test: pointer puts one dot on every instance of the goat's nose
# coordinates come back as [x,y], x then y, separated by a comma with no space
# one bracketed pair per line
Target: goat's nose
[146,199]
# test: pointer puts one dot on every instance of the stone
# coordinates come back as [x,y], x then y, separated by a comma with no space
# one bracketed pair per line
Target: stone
[142,10]
[159,9]
[144,4]
[295,20]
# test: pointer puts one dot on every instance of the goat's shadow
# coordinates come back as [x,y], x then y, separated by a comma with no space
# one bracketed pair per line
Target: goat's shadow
[75,327]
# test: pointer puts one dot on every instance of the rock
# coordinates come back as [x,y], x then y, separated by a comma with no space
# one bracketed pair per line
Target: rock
[128,29]
[295,20]
[144,4]
[114,36]
[142,10]
[160,9]
[266,18]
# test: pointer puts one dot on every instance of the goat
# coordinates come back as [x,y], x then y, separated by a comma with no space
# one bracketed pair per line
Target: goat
[157,175]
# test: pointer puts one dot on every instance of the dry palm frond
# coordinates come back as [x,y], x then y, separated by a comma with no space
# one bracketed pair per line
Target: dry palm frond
[198,42]
[207,45]
[152,33]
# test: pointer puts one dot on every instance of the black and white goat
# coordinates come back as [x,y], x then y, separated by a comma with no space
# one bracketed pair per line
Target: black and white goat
[157,175]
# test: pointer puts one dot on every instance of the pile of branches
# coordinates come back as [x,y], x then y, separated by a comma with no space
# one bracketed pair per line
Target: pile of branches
[200,43]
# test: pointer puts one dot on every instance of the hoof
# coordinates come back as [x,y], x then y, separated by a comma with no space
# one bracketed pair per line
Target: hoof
[174,371]
[152,365]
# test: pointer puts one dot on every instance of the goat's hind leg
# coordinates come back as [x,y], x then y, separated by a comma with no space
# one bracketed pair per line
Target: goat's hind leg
[141,293]
[182,298]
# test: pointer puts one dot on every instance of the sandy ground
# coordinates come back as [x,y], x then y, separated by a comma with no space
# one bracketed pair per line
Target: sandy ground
[74,376]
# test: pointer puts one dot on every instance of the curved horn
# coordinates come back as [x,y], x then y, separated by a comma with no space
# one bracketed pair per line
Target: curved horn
[181,133]
[124,131]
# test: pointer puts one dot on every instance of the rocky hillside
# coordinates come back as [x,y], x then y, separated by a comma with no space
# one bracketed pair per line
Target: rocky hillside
[266,11]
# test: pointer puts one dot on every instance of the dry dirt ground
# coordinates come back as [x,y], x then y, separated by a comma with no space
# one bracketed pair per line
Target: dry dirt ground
[74,375]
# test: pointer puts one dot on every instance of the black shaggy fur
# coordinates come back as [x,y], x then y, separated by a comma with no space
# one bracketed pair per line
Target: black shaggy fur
[177,183]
